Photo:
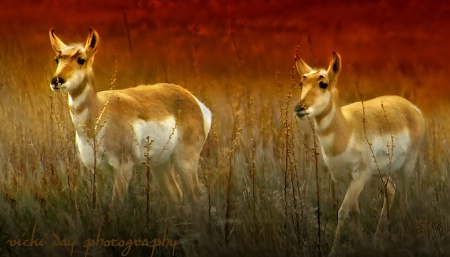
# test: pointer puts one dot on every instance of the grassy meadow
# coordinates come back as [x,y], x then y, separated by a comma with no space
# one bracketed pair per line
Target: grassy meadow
[264,191]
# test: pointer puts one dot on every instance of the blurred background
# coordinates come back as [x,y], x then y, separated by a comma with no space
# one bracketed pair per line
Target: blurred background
[256,168]
[401,45]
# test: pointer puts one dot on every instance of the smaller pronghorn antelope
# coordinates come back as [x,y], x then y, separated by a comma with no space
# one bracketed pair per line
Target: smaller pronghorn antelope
[393,130]
[123,122]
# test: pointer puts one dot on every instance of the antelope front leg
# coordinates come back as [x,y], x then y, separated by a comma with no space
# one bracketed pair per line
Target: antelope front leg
[389,191]
[356,213]
[348,204]
[122,178]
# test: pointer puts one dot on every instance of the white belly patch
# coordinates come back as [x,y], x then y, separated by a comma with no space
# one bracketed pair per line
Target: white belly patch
[388,159]
[163,136]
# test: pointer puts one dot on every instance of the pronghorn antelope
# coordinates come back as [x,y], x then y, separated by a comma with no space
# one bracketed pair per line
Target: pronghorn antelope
[391,134]
[163,123]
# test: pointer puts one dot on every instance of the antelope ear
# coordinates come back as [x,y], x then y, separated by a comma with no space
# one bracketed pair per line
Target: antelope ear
[92,42]
[302,67]
[57,44]
[335,66]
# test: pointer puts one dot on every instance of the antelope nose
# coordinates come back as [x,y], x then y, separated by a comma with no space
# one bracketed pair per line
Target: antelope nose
[300,111]
[56,81]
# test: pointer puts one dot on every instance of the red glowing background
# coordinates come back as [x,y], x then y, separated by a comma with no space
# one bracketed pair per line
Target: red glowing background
[400,47]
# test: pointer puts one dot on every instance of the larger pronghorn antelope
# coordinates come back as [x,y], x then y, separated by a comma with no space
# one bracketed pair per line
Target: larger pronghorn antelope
[392,133]
[118,130]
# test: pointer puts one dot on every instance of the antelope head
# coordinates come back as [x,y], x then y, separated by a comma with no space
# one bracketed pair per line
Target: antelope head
[316,87]
[74,61]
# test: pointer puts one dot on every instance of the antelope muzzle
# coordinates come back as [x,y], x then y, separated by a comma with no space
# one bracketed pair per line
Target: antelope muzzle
[300,111]
[56,83]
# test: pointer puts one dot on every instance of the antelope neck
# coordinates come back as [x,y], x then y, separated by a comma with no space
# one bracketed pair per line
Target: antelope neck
[83,103]
[332,130]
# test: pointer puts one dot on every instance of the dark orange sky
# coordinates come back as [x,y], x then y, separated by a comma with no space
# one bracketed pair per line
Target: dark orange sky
[248,37]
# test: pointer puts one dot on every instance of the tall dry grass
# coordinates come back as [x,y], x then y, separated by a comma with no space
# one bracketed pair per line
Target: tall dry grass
[265,191]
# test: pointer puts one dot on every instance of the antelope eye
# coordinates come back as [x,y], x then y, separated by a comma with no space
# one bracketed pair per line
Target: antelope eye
[300,84]
[323,85]
[81,61]
[56,60]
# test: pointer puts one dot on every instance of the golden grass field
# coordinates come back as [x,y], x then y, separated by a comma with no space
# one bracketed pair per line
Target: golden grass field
[259,195]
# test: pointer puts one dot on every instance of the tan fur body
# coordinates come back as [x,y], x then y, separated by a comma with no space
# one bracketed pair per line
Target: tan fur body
[143,103]
[162,124]
[392,132]
[347,132]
